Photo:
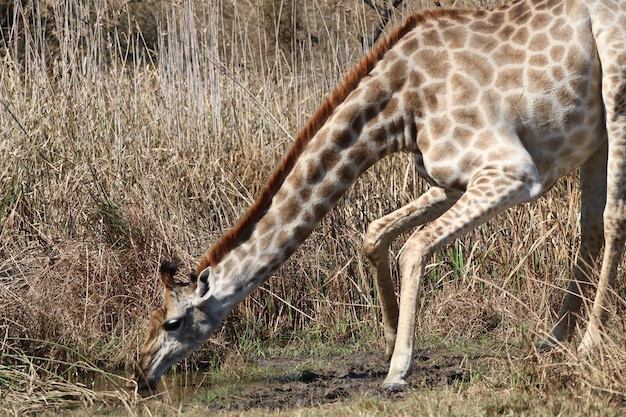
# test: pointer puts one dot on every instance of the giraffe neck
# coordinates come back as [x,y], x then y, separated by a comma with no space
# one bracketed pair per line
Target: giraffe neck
[338,96]
[332,161]
[355,126]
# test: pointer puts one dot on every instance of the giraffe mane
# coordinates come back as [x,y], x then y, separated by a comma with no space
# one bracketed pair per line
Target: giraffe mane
[246,224]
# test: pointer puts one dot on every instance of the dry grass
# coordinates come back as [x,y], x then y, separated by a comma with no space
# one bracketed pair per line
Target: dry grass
[31,385]
[113,158]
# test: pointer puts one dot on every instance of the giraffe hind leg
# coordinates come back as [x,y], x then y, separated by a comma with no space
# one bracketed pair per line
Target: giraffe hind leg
[382,232]
[610,33]
[614,230]
[506,187]
[593,200]
[615,235]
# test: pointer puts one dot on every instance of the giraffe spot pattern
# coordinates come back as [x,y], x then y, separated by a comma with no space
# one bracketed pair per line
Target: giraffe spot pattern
[439,126]
[510,79]
[475,66]
[289,209]
[521,36]
[557,52]
[455,38]
[438,61]
[539,42]
[464,90]
[509,55]
[267,224]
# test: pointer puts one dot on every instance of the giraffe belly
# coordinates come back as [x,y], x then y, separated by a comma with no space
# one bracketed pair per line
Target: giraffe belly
[560,150]
[550,172]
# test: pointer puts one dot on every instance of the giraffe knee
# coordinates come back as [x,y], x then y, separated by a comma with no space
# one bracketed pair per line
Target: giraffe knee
[373,243]
[414,252]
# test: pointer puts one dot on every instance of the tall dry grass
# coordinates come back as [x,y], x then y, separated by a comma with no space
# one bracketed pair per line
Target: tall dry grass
[120,148]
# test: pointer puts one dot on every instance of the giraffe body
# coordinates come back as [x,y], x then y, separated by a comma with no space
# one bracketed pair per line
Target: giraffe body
[496,107]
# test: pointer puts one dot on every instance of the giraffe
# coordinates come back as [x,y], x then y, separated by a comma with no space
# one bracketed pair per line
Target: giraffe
[495,106]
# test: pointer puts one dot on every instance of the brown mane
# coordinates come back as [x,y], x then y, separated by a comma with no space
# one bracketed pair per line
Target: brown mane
[245,226]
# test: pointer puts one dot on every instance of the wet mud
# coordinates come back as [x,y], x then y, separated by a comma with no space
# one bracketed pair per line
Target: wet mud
[293,384]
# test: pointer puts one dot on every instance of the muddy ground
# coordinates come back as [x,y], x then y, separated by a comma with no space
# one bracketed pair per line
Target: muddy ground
[296,383]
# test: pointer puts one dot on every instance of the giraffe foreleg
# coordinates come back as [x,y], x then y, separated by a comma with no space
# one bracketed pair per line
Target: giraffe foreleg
[593,200]
[491,192]
[382,232]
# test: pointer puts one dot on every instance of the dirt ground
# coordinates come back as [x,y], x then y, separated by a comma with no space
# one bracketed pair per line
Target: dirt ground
[292,383]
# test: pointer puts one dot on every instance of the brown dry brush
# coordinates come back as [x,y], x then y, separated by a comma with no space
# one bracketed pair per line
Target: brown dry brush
[119,149]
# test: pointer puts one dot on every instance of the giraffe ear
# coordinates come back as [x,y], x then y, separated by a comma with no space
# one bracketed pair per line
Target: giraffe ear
[205,286]
[168,269]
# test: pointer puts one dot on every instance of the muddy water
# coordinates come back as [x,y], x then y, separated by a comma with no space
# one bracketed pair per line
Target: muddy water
[274,383]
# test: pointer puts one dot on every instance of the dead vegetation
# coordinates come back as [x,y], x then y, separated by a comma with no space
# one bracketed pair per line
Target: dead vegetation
[123,144]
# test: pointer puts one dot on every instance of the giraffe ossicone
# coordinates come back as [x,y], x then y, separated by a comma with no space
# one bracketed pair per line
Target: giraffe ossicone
[495,106]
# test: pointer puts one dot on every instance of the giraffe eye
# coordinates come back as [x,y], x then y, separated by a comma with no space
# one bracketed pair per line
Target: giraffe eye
[172,324]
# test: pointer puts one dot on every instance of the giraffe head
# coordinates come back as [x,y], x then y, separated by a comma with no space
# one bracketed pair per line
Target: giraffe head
[186,319]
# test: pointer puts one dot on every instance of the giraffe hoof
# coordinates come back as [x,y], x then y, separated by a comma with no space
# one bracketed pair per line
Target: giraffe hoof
[548,345]
[395,386]
[587,346]
[584,351]
[544,347]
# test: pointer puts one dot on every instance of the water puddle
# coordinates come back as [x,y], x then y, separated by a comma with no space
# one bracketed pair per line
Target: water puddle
[286,383]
